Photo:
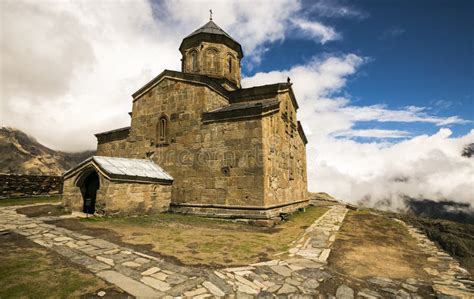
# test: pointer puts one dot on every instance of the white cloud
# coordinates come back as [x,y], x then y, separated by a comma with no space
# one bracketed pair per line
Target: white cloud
[316,30]
[336,9]
[421,166]
[373,133]
[408,114]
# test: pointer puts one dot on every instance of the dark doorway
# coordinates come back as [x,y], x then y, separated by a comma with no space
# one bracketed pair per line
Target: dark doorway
[89,192]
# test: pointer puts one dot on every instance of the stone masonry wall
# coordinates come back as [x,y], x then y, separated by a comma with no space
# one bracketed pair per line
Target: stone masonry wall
[211,163]
[115,148]
[120,198]
[13,185]
[284,156]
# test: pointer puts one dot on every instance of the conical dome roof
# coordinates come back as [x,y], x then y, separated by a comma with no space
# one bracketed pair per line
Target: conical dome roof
[212,28]
[211,32]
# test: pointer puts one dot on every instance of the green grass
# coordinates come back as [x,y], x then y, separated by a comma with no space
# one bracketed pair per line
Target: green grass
[198,240]
[29,272]
[29,200]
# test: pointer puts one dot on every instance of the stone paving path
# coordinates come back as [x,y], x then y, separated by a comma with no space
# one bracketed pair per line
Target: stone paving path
[142,275]
[449,277]
[145,276]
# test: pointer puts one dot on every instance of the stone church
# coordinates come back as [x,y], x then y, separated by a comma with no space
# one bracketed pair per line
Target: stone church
[199,143]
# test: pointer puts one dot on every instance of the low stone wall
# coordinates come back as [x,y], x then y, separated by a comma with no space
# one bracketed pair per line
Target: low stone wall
[19,185]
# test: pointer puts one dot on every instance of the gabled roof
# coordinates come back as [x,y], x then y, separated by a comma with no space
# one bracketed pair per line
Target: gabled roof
[262,92]
[113,131]
[242,110]
[247,105]
[124,169]
[195,78]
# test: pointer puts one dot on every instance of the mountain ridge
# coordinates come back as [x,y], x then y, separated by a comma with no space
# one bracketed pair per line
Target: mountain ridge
[23,154]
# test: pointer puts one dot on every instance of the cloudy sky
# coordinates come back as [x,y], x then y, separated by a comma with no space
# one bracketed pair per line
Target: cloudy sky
[385,88]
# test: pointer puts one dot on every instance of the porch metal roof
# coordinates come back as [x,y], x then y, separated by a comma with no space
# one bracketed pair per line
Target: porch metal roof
[127,169]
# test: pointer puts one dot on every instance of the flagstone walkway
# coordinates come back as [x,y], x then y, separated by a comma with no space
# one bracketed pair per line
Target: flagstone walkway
[142,275]
[146,276]
[450,278]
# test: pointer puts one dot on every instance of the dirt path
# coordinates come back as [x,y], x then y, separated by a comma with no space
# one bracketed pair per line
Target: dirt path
[375,248]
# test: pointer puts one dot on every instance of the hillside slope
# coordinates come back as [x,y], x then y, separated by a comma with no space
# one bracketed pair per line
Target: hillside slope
[22,154]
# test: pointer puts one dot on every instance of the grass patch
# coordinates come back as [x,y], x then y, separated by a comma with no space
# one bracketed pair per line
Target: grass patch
[29,271]
[29,200]
[371,245]
[204,241]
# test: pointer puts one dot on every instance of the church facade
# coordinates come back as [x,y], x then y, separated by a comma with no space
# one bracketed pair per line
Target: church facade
[229,151]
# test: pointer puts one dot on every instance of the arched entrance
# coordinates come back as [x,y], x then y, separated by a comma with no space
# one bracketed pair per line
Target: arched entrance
[89,186]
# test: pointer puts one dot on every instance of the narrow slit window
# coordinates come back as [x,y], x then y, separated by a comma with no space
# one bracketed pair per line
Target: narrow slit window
[162,129]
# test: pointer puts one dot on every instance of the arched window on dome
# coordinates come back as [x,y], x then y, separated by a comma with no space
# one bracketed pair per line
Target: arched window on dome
[194,61]
[229,63]
[212,60]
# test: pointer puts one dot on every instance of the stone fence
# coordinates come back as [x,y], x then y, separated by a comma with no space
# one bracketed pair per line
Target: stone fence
[22,185]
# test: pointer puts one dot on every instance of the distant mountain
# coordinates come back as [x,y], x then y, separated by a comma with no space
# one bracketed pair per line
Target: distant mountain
[23,154]
[468,151]
[447,209]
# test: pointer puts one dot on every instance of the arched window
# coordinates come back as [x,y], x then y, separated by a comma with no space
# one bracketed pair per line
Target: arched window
[194,61]
[162,129]
[229,63]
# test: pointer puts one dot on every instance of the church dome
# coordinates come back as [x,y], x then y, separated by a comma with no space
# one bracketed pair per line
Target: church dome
[210,32]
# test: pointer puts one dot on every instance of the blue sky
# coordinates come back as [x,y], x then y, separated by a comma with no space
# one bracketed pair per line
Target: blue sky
[419,53]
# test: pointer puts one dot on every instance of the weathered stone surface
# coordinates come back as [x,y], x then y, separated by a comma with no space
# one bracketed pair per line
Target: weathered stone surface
[212,288]
[246,289]
[189,284]
[403,295]
[150,271]
[409,287]
[155,283]
[282,270]
[62,239]
[195,292]
[220,283]
[141,260]
[310,284]
[131,264]
[287,289]
[382,282]
[366,295]
[129,285]
[160,276]
[108,261]
[324,255]
[101,243]
[344,292]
